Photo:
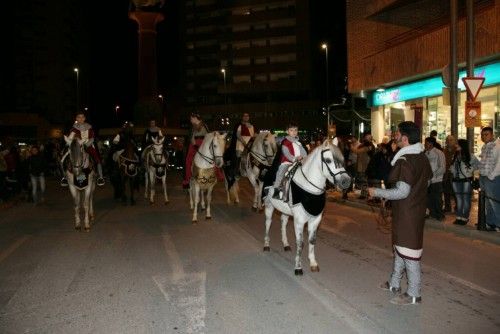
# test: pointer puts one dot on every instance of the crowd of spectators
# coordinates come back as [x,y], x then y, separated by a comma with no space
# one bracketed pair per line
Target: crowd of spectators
[455,170]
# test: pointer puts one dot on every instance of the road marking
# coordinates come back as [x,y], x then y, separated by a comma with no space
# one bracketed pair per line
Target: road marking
[185,291]
[448,276]
[6,253]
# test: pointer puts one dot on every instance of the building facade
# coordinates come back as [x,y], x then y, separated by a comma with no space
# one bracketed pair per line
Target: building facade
[248,56]
[397,50]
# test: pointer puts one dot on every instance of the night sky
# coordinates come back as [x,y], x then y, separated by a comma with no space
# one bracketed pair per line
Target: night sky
[109,63]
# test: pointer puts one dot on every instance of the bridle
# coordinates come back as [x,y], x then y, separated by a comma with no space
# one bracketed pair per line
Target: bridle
[330,171]
[263,158]
[157,158]
[80,162]
[210,160]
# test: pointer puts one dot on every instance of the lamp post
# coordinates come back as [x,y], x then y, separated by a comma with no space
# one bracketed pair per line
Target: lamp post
[324,46]
[77,89]
[116,110]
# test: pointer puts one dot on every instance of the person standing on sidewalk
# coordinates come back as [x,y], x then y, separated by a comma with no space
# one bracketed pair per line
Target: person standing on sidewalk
[489,180]
[410,175]
[435,190]
[364,151]
[462,169]
[37,167]
[449,153]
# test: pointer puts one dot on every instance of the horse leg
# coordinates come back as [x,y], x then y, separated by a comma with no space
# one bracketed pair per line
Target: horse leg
[312,227]
[284,239]
[202,199]
[164,183]
[86,207]
[299,237]
[209,200]
[196,197]
[258,189]
[132,189]
[91,202]
[191,195]
[228,191]
[236,189]
[76,201]
[269,219]
[152,185]
[146,181]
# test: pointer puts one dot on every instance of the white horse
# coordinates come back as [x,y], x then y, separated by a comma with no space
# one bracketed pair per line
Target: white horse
[207,158]
[307,199]
[156,164]
[81,181]
[260,157]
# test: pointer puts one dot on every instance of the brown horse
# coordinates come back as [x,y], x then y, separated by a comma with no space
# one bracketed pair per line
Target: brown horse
[127,163]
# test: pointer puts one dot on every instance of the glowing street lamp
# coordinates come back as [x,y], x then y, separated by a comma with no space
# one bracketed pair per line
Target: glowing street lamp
[324,46]
[77,89]
[223,71]
[116,110]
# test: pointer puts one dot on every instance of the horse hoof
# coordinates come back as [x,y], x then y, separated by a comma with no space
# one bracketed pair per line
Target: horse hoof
[194,221]
[208,217]
[166,202]
[315,269]
[78,228]
[287,249]
[299,272]
[86,229]
[267,249]
[254,209]
[151,202]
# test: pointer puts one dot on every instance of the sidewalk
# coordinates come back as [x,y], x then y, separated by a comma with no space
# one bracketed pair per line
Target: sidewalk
[469,230]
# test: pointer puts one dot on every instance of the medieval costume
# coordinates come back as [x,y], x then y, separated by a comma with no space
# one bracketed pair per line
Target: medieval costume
[198,133]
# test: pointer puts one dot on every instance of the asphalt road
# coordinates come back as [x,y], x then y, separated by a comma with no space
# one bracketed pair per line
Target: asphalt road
[147,269]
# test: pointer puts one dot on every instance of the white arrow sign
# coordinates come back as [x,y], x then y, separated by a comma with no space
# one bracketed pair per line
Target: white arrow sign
[473,86]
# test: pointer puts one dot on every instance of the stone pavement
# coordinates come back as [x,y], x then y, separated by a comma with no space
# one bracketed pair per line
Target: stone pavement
[469,230]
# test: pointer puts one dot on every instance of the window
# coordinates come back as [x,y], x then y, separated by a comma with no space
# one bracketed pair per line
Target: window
[241,61]
[290,57]
[260,78]
[241,79]
[260,61]
[282,23]
[282,75]
[259,42]
[283,40]
[241,27]
[241,45]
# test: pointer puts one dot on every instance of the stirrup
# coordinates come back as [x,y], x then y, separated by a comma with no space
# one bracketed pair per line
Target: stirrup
[277,193]
[100,181]
[64,182]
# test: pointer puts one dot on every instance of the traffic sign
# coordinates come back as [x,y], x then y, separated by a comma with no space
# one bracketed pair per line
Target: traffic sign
[473,86]
[472,114]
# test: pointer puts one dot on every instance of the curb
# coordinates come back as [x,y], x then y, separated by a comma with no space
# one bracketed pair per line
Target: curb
[491,237]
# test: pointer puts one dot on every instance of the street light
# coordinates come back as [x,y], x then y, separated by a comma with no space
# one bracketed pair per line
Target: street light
[116,110]
[77,89]
[223,71]
[163,116]
[324,46]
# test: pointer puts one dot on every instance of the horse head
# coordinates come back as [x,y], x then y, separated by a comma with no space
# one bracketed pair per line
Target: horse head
[269,147]
[218,147]
[333,160]
[78,157]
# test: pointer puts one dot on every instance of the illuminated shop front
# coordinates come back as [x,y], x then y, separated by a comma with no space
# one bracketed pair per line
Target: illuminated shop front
[422,102]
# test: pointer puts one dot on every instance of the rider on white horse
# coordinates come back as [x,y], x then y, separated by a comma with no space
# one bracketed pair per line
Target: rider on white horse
[291,151]
[83,131]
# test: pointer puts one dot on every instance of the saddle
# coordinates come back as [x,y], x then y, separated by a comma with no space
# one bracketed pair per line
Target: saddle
[287,180]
